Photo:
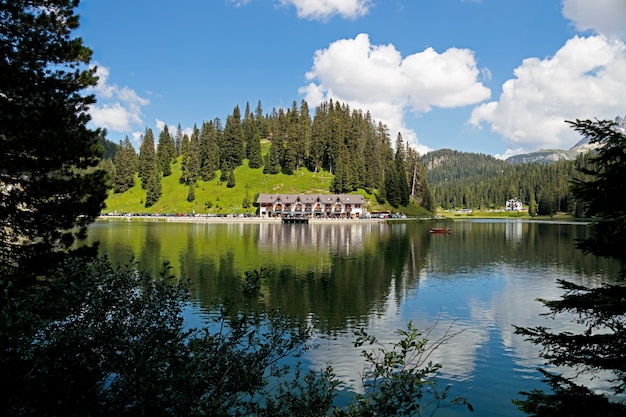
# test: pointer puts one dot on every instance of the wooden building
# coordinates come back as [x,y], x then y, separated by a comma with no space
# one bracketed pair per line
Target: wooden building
[311,205]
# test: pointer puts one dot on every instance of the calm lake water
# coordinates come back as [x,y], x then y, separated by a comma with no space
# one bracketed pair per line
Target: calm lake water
[482,279]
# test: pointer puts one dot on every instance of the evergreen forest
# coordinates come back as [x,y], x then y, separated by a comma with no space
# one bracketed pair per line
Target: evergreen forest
[356,151]
[478,181]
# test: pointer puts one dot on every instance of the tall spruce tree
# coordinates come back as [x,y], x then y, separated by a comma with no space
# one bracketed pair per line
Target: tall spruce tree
[125,166]
[166,152]
[49,189]
[601,311]
[191,158]
[178,141]
[232,150]
[253,142]
[147,158]
[400,162]
[209,151]
[261,121]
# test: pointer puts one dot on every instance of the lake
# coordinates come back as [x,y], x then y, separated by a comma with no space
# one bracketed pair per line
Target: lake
[481,279]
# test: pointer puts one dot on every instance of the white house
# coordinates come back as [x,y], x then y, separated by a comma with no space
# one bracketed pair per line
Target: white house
[514,205]
[311,205]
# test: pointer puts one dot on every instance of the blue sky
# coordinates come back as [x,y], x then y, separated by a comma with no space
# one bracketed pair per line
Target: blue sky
[490,76]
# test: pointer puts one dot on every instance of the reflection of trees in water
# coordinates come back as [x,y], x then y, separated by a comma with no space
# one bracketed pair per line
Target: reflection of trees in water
[353,287]
[472,245]
[340,274]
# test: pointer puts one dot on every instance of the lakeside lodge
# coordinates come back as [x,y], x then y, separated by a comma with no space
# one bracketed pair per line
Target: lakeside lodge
[346,206]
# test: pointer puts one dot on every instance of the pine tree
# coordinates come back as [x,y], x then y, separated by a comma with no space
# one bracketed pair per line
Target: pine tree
[191,193]
[232,150]
[191,158]
[147,158]
[231,179]
[50,189]
[153,188]
[166,152]
[178,141]
[253,142]
[125,166]
[600,312]
[261,121]
[209,151]
[288,125]
[400,162]
[320,136]
[304,133]
[272,163]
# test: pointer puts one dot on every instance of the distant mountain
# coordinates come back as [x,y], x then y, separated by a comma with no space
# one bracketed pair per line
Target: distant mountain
[553,155]
[547,156]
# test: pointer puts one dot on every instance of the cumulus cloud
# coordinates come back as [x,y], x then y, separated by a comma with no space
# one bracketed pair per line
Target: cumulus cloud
[325,9]
[584,79]
[606,17]
[379,79]
[118,108]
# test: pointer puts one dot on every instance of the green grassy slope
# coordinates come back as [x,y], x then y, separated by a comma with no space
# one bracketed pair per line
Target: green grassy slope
[215,197]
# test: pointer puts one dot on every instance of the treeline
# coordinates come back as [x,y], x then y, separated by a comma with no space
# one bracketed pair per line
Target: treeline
[478,181]
[346,142]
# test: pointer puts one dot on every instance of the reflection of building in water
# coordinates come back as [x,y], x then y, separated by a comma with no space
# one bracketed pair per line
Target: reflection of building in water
[339,238]
[513,232]
[311,205]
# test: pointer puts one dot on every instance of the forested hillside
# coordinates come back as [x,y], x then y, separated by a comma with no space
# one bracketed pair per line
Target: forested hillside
[355,150]
[478,181]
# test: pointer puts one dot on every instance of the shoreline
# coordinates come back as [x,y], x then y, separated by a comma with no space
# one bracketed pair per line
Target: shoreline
[278,220]
[225,220]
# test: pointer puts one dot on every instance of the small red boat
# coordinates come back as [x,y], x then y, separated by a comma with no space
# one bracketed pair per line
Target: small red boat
[440,230]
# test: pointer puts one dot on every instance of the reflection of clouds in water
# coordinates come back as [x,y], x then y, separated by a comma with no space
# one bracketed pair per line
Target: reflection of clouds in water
[524,310]
[483,304]
[457,355]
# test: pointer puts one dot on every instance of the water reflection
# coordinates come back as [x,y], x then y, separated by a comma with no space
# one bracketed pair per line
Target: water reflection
[482,279]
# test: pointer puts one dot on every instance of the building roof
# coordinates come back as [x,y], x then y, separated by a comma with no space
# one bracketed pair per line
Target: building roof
[311,198]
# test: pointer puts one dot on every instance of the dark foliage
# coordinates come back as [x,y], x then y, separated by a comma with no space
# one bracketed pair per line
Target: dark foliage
[50,190]
[601,311]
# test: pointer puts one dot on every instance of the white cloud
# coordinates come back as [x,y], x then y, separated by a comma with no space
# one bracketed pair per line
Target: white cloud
[377,78]
[325,9]
[117,108]
[606,17]
[584,79]
[239,3]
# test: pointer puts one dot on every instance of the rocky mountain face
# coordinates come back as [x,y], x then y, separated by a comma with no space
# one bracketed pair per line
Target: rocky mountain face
[553,155]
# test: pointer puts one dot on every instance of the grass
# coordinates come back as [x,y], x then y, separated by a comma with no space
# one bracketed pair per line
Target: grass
[490,214]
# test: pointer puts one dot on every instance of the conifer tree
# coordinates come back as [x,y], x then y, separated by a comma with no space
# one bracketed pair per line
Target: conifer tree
[147,158]
[304,133]
[166,152]
[178,141]
[232,150]
[191,192]
[261,121]
[191,158]
[231,179]
[50,189]
[209,151]
[320,136]
[125,166]
[153,188]
[288,125]
[253,142]
[400,162]
[599,311]
[272,164]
